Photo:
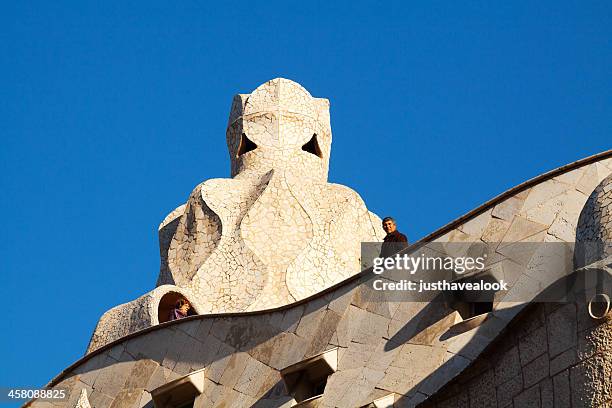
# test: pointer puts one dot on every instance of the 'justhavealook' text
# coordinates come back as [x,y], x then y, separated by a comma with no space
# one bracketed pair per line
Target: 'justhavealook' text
[443,285]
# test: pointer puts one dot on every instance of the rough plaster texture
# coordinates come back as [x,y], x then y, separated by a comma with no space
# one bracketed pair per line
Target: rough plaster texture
[595,225]
[409,349]
[274,233]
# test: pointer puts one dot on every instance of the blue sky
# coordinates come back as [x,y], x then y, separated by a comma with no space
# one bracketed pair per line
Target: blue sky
[111,113]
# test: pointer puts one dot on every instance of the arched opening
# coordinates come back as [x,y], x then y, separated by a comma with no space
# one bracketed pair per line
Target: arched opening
[312,146]
[167,304]
[470,303]
[306,380]
[246,145]
[179,393]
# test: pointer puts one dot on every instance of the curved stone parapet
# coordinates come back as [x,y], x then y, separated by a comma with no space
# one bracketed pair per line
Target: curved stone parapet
[386,346]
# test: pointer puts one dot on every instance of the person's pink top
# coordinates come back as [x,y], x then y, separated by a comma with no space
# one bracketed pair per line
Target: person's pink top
[176,314]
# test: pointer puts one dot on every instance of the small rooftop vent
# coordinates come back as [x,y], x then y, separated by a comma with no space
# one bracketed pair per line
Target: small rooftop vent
[180,393]
[306,380]
[469,303]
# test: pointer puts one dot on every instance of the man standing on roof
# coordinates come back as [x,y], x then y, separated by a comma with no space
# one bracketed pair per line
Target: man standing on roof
[395,241]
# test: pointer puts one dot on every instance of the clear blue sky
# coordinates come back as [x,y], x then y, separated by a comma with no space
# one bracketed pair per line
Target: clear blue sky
[112,113]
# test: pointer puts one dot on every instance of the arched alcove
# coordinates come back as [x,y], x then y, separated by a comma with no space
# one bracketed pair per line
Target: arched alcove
[166,304]
[470,303]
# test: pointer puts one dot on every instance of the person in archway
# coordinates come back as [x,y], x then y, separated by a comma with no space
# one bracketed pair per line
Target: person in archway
[394,241]
[180,310]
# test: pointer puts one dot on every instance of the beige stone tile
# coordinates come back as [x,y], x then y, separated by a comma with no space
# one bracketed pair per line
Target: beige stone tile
[255,377]
[100,400]
[571,177]
[520,229]
[543,192]
[468,344]
[357,394]
[236,365]
[476,226]
[356,356]
[507,209]
[140,374]
[160,376]
[128,398]
[495,230]
[589,179]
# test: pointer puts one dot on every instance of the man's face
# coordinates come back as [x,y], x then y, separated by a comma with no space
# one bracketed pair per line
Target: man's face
[389,226]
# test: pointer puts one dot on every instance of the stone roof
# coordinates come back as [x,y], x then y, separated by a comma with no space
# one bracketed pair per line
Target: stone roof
[408,349]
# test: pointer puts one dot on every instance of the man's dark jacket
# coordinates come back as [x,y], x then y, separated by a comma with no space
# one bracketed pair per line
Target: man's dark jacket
[395,236]
[393,243]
